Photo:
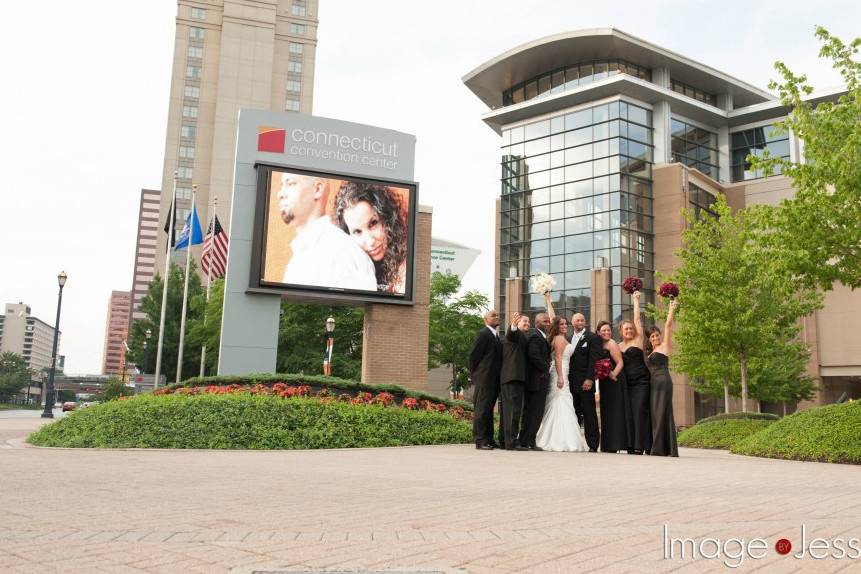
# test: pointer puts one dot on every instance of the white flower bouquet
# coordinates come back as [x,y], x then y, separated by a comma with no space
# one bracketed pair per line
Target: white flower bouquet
[542,283]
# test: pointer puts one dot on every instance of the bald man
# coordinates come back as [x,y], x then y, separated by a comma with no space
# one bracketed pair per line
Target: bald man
[323,255]
[537,381]
[485,361]
[581,378]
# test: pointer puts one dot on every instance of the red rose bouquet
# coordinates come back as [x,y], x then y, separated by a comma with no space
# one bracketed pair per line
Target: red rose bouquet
[668,289]
[602,369]
[632,284]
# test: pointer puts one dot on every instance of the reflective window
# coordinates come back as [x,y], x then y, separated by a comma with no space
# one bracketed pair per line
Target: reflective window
[755,142]
[692,92]
[700,201]
[695,147]
[576,193]
[562,79]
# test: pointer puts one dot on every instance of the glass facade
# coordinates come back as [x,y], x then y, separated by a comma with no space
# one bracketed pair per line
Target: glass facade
[695,147]
[570,77]
[693,92]
[577,194]
[700,201]
[753,142]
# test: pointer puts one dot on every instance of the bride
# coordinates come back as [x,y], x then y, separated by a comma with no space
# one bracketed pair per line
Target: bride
[559,430]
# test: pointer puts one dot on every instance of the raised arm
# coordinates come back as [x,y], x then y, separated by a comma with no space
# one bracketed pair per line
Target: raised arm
[549,304]
[616,355]
[668,327]
[638,323]
[559,344]
[511,332]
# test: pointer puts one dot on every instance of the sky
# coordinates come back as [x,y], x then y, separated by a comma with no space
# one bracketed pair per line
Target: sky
[85,96]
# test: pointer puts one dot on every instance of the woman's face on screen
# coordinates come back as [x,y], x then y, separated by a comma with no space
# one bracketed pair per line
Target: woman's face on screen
[367,229]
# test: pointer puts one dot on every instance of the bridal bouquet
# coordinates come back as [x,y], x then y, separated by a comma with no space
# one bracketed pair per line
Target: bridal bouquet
[669,289]
[542,283]
[602,369]
[632,284]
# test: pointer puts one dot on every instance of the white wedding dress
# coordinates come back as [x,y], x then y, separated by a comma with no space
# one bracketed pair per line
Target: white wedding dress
[559,429]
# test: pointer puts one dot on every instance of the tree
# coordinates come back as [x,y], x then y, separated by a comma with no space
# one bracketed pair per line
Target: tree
[454,321]
[114,389]
[738,298]
[206,328]
[302,339]
[821,221]
[14,375]
[151,306]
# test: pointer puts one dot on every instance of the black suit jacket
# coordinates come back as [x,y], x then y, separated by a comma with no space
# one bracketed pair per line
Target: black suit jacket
[485,358]
[582,364]
[538,353]
[514,357]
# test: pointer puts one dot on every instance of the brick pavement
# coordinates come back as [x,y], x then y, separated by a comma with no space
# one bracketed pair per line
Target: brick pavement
[432,509]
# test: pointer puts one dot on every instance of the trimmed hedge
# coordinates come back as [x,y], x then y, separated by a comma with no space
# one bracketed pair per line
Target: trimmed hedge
[248,421]
[740,415]
[721,434]
[823,434]
[317,383]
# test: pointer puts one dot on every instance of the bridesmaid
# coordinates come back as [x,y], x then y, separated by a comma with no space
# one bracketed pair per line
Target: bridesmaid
[637,376]
[663,425]
[613,392]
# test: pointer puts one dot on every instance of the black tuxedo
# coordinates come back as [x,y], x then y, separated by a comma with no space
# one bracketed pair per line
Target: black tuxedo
[485,362]
[581,368]
[537,385]
[512,381]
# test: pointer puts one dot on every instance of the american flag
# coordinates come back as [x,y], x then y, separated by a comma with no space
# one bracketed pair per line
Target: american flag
[214,250]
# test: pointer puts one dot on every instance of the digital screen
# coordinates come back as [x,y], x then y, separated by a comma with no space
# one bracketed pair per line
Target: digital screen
[334,233]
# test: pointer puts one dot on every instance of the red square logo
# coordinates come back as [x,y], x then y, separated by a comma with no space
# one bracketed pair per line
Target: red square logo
[271,139]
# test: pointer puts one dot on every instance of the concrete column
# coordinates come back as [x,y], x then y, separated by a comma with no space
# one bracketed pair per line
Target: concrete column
[395,338]
[662,135]
[513,297]
[601,301]
[724,175]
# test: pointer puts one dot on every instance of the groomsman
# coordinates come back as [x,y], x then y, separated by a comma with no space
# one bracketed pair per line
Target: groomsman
[485,362]
[512,379]
[581,378]
[537,381]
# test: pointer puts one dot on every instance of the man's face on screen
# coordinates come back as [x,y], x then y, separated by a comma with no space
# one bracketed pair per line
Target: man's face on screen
[296,197]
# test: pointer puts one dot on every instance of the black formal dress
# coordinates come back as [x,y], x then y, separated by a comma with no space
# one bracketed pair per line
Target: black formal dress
[614,397]
[537,385]
[512,383]
[663,425]
[485,361]
[638,412]
[582,367]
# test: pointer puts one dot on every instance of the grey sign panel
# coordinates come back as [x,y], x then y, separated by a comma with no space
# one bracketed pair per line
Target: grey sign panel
[249,328]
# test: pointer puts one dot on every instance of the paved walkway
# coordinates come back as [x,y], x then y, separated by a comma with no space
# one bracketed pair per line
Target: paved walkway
[431,509]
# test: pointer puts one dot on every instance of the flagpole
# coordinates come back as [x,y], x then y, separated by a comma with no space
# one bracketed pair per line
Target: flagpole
[208,281]
[185,289]
[171,225]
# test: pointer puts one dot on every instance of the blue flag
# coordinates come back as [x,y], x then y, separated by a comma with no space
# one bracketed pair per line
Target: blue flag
[192,229]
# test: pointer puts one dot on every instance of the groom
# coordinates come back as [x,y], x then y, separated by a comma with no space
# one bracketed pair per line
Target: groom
[581,378]
[537,381]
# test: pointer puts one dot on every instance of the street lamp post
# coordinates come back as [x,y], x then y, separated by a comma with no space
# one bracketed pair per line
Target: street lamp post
[49,391]
[146,350]
[330,341]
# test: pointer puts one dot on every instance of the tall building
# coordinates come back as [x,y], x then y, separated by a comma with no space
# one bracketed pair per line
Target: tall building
[116,333]
[28,336]
[147,240]
[605,138]
[228,55]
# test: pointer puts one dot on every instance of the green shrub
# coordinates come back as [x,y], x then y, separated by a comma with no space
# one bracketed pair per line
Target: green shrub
[316,382]
[825,434]
[740,415]
[721,434]
[246,421]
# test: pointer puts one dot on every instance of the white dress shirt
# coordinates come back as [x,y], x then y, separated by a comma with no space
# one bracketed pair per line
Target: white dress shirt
[325,256]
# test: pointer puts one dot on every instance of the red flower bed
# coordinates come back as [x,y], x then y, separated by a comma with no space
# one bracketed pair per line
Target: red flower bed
[290,391]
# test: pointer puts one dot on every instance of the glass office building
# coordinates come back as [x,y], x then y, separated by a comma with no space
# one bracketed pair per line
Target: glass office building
[605,139]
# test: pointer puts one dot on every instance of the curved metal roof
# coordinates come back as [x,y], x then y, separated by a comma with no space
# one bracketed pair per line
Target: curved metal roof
[531,59]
